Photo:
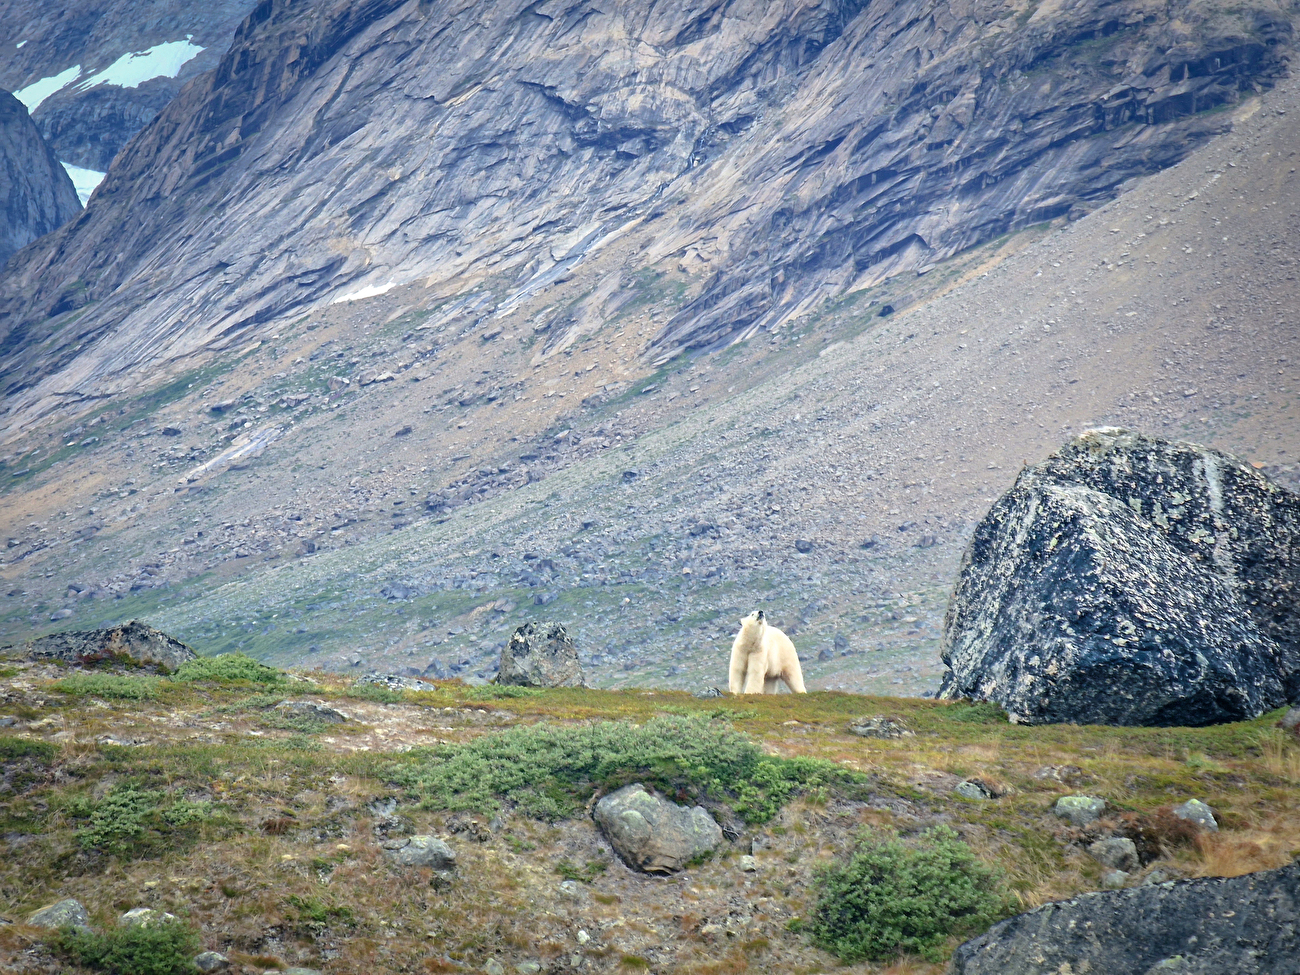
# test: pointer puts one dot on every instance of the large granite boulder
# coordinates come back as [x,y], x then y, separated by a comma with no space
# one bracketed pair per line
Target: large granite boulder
[1132,581]
[134,641]
[540,655]
[1246,925]
[652,834]
[64,913]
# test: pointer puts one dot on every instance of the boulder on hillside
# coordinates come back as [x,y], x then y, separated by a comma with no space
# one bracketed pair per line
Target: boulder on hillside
[652,834]
[135,641]
[1247,925]
[540,655]
[1128,580]
[64,913]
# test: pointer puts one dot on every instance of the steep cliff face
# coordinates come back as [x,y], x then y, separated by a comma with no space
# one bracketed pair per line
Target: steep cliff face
[35,192]
[95,73]
[785,151]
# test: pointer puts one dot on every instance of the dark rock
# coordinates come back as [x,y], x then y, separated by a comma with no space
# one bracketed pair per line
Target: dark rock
[134,640]
[710,692]
[803,545]
[36,193]
[871,542]
[825,654]
[1247,925]
[211,961]
[312,711]
[65,912]
[652,834]
[878,726]
[973,789]
[1133,581]
[540,655]
[421,851]
[145,917]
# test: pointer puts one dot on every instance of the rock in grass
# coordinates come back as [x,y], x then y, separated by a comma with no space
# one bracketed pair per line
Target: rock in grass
[1080,810]
[652,834]
[1114,879]
[879,726]
[421,851]
[135,641]
[145,917]
[211,961]
[1118,853]
[1195,811]
[1247,925]
[540,655]
[396,682]
[973,789]
[64,912]
[1291,721]
[1128,580]
[311,711]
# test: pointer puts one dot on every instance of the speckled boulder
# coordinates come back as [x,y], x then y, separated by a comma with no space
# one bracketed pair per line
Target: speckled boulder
[652,834]
[65,912]
[540,655]
[1239,926]
[135,641]
[1128,580]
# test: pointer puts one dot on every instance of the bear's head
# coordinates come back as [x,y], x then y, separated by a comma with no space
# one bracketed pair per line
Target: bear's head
[754,625]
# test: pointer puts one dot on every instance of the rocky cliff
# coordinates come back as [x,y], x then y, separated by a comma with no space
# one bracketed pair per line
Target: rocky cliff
[35,191]
[784,152]
[95,73]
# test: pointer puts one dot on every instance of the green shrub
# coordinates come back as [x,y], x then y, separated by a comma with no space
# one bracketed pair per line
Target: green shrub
[549,771]
[15,748]
[157,949]
[892,897]
[375,692]
[130,687]
[131,821]
[494,692]
[229,668]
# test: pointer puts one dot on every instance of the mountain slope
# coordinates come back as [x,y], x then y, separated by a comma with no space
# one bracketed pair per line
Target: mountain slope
[789,151]
[35,191]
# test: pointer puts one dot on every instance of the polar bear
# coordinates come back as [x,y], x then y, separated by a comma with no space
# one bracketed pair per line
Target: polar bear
[760,654]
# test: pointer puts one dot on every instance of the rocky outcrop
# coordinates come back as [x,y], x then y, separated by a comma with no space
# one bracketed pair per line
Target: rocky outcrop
[65,913]
[87,121]
[134,641]
[781,152]
[35,191]
[652,834]
[421,851]
[1239,926]
[540,655]
[1131,580]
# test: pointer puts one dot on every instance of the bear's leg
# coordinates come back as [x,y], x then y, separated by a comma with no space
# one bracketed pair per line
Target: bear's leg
[794,680]
[755,674]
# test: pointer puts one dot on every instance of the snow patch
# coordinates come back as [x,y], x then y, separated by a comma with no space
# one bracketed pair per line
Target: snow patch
[371,292]
[19,45]
[133,70]
[84,180]
[38,91]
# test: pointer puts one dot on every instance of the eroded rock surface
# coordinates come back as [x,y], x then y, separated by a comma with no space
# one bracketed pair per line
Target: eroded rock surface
[540,655]
[134,640]
[36,194]
[652,834]
[1131,580]
[1246,925]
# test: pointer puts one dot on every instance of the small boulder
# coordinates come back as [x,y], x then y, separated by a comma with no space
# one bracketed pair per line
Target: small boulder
[540,655]
[1080,810]
[1195,811]
[1118,853]
[64,912]
[748,864]
[652,834]
[311,711]
[396,682]
[973,789]
[145,917]
[1114,879]
[878,726]
[1162,873]
[1291,721]
[421,851]
[135,641]
[211,961]
[1065,774]
[710,692]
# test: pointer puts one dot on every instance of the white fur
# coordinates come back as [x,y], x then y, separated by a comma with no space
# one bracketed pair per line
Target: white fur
[760,656]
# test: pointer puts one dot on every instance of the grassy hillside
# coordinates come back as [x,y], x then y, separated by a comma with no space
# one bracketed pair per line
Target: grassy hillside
[262,827]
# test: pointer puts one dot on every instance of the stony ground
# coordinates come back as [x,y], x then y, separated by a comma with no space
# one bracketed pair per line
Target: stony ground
[286,865]
[396,483]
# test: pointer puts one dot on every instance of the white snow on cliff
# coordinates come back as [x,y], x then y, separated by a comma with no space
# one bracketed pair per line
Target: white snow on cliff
[83,180]
[132,70]
[38,91]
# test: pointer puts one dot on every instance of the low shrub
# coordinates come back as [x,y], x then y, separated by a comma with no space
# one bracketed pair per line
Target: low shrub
[375,692]
[975,712]
[548,771]
[12,749]
[130,821]
[893,897]
[157,949]
[229,668]
[502,692]
[127,687]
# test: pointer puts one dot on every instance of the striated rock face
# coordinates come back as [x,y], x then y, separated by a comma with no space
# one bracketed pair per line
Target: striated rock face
[35,192]
[1239,926]
[652,834]
[90,118]
[135,640]
[787,151]
[540,655]
[1131,580]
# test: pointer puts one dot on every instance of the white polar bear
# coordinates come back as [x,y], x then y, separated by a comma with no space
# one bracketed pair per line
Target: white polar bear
[760,655]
